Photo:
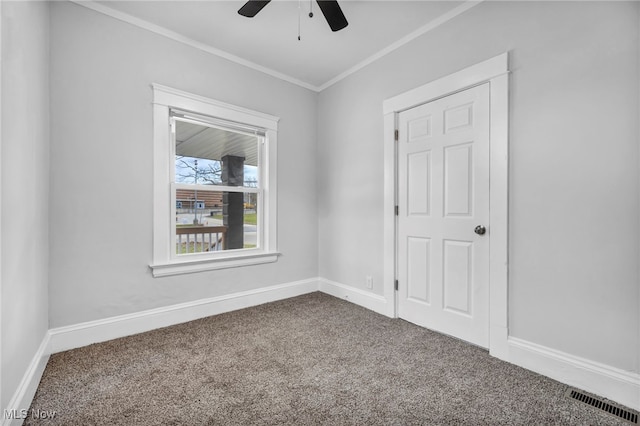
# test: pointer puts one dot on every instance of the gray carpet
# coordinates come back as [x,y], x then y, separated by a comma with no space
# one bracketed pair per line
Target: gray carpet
[312,359]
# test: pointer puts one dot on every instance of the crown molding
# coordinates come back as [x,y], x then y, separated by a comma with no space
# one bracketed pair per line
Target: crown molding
[157,29]
[404,40]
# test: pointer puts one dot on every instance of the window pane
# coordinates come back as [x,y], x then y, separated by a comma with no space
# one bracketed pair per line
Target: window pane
[209,221]
[212,156]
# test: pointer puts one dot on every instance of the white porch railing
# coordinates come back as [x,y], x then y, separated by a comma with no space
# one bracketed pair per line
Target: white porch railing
[197,239]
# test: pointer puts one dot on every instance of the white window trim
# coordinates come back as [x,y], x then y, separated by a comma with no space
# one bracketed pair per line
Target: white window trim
[164,263]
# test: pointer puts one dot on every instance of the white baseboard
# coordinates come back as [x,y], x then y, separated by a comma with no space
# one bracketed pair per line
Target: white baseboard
[21,401]
[363,298]
[78,335]
[617,385]
[83,334]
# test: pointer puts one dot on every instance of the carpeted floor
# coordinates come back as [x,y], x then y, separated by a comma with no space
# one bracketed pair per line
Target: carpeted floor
[312,359]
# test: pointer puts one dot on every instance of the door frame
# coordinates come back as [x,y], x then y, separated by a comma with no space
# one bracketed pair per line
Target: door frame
[494,71]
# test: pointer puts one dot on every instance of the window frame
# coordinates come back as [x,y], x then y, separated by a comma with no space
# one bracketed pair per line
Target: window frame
[165,262]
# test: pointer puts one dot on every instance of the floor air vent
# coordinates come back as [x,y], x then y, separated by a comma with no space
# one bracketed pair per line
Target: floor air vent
[600,404]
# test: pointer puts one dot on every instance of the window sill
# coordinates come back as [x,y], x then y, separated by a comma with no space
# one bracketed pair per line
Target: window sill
[191,266]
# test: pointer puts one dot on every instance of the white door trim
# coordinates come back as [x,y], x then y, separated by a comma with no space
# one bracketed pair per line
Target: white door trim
[495,71]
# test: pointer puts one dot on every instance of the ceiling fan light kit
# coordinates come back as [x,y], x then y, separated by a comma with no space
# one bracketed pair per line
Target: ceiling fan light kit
[329,8]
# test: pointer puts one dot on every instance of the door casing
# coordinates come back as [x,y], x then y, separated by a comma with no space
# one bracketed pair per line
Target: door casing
[494,71]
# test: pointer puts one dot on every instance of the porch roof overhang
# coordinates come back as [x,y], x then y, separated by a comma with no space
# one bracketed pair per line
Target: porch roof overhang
[197,141]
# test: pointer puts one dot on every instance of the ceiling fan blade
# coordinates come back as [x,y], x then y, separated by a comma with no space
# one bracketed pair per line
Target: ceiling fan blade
[332,12]
[252,7]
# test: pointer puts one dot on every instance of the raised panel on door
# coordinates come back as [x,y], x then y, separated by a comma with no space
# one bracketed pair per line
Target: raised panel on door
[458,180]
[458,118]
[418,269]
[419,128]
[457,268]
[418,183]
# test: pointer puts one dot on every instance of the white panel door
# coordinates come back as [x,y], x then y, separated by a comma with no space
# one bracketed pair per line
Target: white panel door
[443,196]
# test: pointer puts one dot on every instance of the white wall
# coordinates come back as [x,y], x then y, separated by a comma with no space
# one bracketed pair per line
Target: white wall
[25,188]
[574,184]
[101,157]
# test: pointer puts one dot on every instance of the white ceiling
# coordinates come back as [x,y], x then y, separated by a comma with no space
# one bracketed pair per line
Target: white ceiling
[269,41]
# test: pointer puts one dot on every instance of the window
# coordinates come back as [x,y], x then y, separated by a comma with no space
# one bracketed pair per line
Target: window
[214,184]
[217,177]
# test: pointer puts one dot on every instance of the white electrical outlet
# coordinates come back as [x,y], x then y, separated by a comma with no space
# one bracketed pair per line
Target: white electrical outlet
[369,281]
